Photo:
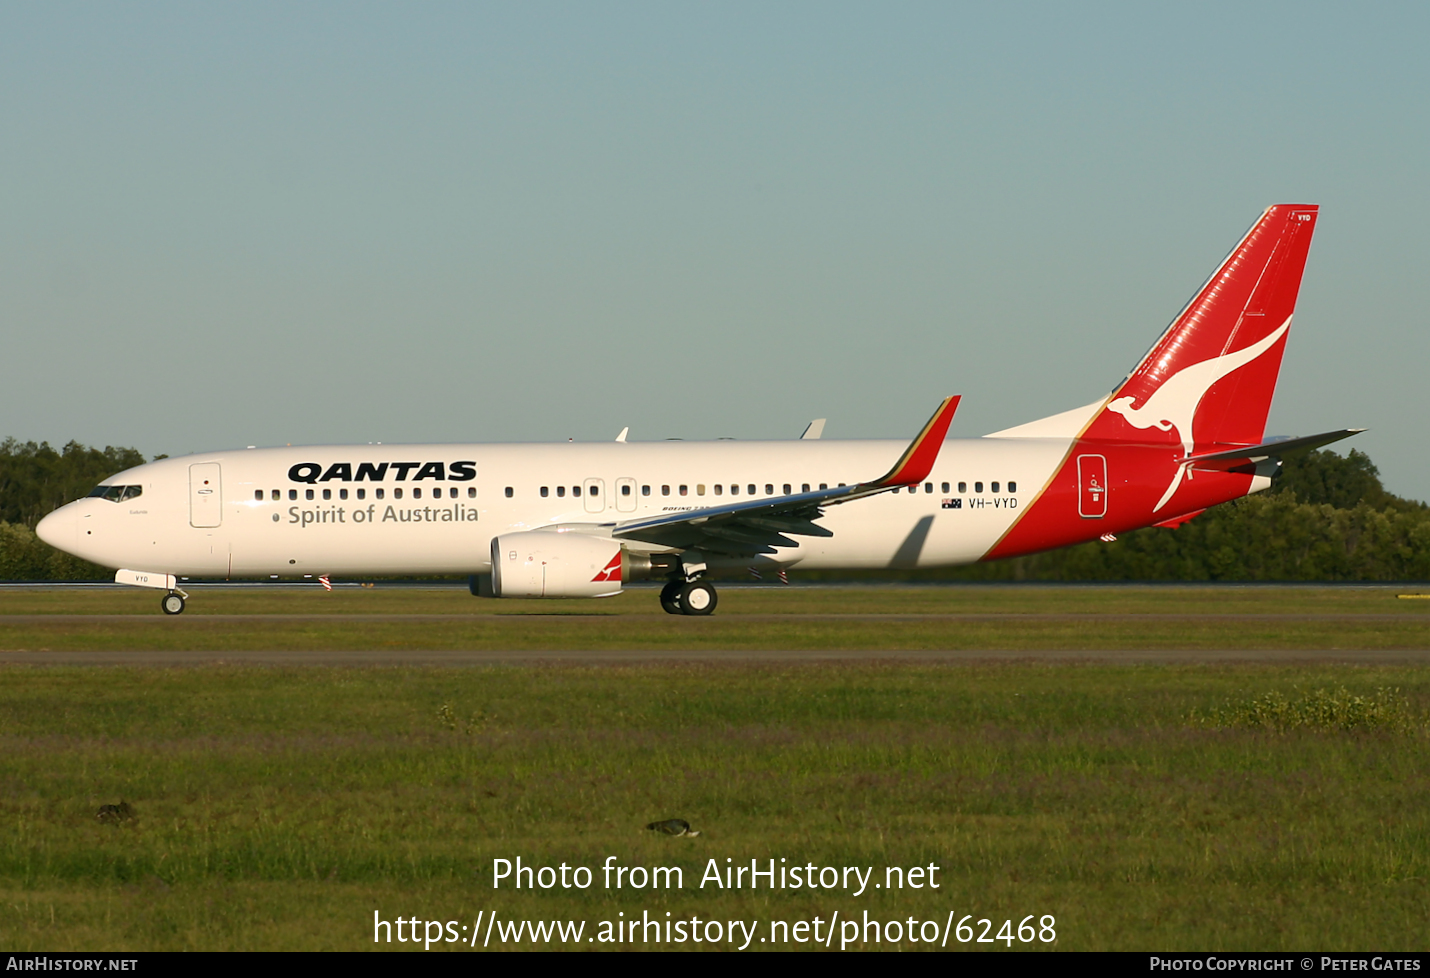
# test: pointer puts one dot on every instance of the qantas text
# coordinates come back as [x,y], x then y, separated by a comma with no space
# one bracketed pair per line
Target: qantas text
[311,472]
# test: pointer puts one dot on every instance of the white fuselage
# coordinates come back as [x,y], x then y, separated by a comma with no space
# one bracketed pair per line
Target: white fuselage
[243,514]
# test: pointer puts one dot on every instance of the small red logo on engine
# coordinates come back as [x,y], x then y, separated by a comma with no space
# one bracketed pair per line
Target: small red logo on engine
[612,571]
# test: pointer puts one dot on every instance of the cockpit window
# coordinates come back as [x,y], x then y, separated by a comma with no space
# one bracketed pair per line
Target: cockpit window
[116,493]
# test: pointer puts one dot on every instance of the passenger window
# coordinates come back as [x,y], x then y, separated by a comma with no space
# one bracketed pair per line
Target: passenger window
[804,487]
[913,489]
[308,494]
[978,487]
[545,491]
[380,493]
[824,485]
[362,493]
[625,490]
[292,493]
[1012,487]
[508,492]
[397,493]
[734,490]
[750,489]
[684,491]
[665,490]
[277,495]
[769,489]
[417,493]
[720,490]
[258,495]
[963,487]
[575,490]
[645,490]
[594,491]
[994,487]
[342,494]
[327,494]
[928,487]
[945,487]
[787,492]
[471,492]
[699,488]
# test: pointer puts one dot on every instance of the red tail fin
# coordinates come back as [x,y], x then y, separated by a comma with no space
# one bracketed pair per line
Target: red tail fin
[1215,367]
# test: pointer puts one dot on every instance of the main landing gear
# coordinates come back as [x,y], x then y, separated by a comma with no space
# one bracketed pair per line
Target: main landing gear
[688,598]
[172,603]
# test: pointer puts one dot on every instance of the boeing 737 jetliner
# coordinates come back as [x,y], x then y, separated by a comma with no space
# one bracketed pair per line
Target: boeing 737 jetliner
[1182,432]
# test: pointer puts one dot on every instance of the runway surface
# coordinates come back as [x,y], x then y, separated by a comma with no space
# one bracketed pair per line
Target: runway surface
[536,658]
[983,616]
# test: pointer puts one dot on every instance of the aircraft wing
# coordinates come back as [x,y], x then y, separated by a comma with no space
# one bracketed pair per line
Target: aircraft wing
[759,526]
[1235,457]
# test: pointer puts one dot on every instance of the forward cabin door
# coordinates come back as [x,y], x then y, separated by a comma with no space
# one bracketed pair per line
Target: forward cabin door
[205,495]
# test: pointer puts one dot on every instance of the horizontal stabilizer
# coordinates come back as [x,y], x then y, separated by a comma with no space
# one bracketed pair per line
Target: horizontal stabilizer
[1272,449]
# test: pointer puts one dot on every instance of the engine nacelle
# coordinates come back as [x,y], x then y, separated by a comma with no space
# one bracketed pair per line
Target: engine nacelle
[547,564]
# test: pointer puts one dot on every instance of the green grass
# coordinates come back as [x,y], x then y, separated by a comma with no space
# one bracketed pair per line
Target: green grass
[278,808]
[739,600]
[748,619]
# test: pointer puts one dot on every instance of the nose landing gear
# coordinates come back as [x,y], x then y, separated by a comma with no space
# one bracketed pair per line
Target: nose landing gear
[173,603]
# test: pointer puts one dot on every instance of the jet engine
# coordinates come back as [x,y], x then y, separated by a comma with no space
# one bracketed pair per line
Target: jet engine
[549,564]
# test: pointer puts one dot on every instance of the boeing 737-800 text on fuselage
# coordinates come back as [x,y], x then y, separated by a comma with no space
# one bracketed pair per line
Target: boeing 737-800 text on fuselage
[1184,431]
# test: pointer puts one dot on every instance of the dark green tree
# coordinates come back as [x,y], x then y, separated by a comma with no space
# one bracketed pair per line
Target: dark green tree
[35,479]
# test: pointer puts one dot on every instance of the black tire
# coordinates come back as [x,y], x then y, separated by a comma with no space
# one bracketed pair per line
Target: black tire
[173,604]
[670,597]
[698,598]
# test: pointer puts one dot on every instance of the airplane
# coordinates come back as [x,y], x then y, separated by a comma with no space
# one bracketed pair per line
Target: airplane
[1182,432]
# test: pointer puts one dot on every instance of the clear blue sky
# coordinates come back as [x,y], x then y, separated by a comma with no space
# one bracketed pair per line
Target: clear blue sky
[238,224]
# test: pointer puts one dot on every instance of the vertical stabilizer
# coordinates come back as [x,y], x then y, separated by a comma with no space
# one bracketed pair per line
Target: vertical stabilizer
[1210,377]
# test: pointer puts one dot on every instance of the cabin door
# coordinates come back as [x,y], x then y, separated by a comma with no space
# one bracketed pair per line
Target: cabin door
[205,495]
[1092,486]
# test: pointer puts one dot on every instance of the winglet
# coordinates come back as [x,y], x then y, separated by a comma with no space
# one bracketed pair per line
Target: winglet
[917,461]
[813,430]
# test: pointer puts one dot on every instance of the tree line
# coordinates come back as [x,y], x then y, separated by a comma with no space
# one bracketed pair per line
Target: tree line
[1327,518]
[35,480]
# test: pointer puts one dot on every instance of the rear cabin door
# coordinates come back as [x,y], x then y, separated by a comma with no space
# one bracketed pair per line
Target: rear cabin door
[205,495]
[1092,486]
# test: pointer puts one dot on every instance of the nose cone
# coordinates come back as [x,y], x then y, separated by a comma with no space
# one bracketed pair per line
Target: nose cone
[59,529]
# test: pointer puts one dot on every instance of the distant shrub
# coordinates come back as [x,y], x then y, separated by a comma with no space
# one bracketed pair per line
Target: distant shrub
[1334,710]
[25,557]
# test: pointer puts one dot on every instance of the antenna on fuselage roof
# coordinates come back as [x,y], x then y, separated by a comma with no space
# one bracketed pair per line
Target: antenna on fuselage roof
[622,436]
[813,430]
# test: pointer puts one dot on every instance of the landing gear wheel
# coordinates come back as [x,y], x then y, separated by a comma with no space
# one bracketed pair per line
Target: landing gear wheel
[670,597]
[697,598]
[173,604]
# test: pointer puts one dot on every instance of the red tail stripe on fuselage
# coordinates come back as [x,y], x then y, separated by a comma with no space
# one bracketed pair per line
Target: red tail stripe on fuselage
[1223,354]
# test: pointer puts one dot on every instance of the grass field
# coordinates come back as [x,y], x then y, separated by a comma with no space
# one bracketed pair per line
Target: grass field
[748,618]
[280,807]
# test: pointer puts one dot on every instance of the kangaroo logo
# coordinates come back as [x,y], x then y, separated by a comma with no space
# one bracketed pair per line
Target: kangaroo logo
[612,570]
[1174,404]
